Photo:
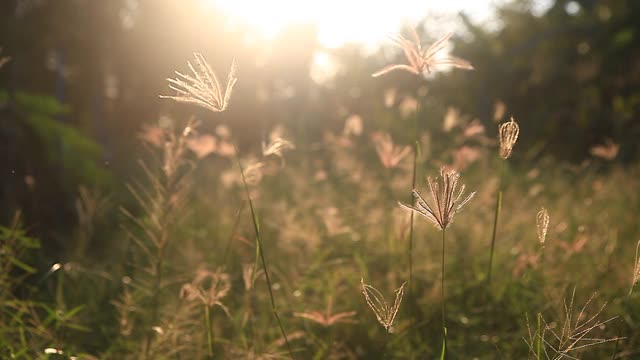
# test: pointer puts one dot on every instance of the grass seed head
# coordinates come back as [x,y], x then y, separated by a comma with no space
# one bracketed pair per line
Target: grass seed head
[328,318]
[508,135]
[389,153]
[421,61]
[203,88]
[542,224]
[448,199]
[385,313]
[208,287]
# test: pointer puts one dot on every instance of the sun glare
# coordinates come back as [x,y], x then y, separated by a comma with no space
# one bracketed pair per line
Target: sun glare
[343,21]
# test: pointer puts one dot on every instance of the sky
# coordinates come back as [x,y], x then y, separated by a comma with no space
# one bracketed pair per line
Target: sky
[368,22]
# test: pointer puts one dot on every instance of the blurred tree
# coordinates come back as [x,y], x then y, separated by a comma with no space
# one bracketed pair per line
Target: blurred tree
[570,76]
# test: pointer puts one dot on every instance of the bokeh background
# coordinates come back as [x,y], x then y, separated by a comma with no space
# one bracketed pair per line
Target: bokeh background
[79,96]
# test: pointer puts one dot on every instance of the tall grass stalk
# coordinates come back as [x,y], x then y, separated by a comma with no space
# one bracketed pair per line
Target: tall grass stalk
[634,282]
[443,354]
[539,340]
[416,151]
[161,207]
[260,252]
[209,326]
[507,136]
[496,217]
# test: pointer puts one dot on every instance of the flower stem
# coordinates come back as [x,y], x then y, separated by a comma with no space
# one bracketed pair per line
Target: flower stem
[444,309]
[260,251]
[495,221]
[627,298]
[539,339]
[209,326]
[416,150]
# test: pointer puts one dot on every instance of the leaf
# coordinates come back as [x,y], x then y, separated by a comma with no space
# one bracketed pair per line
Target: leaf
[22,265]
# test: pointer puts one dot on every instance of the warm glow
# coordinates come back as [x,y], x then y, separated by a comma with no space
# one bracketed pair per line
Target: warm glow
[343,21]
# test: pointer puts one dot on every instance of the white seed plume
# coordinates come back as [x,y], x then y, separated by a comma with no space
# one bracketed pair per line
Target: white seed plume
[203,88]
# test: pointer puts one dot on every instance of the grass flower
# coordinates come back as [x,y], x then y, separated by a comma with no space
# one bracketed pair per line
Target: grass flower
[203,88]
[542,224]
[327,318]
[568,338]
[421,61]
[385,312]
[389,153]
[276,147]
[508,135]
[208,287]
[448,199]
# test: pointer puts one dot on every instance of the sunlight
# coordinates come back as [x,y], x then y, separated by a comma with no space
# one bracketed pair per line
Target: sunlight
[339,21]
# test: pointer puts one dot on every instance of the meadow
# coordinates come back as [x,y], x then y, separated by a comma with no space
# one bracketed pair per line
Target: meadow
[415,231]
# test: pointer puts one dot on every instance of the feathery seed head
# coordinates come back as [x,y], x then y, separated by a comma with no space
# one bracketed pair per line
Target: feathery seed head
[421,61]
[276,147]
[208,287]
[542,224]
[446,196]
[203,88]
[385,313]
[327,318]
[508,135]
[389,153]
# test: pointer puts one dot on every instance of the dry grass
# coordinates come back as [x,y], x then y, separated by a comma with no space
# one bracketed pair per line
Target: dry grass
[448,199]
[422,60]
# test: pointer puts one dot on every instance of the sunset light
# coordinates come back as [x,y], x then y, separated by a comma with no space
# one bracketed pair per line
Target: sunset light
[339,22]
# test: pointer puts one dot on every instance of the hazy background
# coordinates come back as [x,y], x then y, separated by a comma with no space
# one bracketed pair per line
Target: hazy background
[85,75]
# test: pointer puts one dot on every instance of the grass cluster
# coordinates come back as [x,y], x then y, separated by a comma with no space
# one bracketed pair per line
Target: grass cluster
[301,250]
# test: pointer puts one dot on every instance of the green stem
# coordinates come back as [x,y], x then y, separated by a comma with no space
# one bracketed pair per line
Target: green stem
[209,325]
[539,339]
[416,150]
[444,310]
[413,186]
[626,300]
[233,233]
[495,221]
[260,251]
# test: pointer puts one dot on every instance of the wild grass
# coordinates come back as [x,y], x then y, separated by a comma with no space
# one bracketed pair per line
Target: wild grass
[200,277]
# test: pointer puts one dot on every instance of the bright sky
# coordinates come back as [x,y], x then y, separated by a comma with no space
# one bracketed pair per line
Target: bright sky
[343,21]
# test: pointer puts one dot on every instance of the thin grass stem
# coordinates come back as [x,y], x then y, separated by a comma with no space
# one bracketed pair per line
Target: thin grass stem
[626,300]
[234,230]
[444,304]
[260,252]
[209,326]
[414,176]
[498,209]
[539,339]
